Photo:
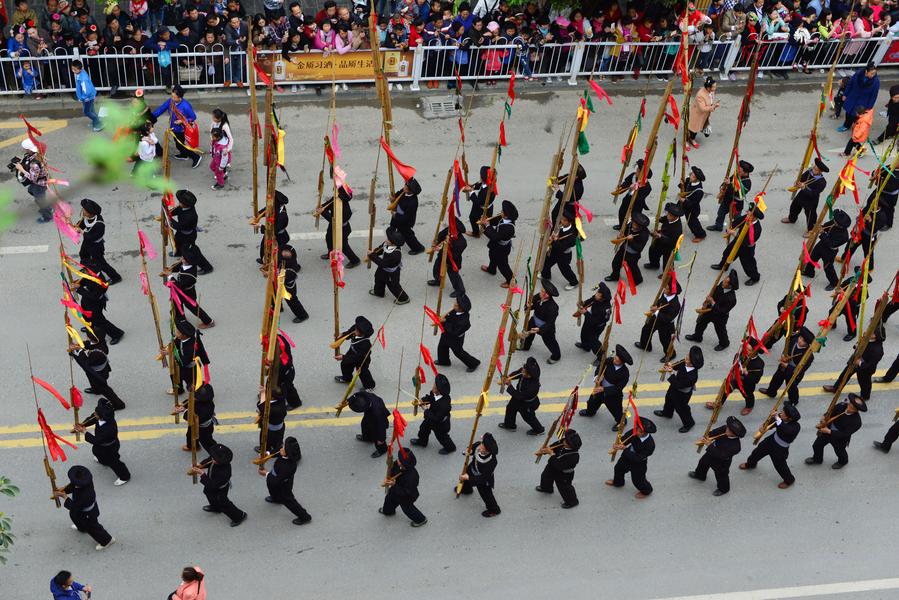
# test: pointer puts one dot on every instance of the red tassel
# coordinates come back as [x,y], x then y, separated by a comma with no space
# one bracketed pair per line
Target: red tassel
[56,452]
[421,375]
[53,392]
[502,134]
[638,423]
[32,132]
[621,292]
[381,338]
[674,117]
[602,95]
[399,424]
[426,356]
[406,172]
[806,258]
[850,318]
[673,281]
[435,318]
[77,398]
[617,311]
[630,279]
[511,92]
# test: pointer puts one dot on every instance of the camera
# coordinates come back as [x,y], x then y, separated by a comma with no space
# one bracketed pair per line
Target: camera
[18,174]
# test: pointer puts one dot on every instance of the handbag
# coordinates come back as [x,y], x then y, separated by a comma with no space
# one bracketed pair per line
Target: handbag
[189,73]
[165,58]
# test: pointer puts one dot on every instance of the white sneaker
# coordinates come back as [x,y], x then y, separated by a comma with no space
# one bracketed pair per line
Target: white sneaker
[96,460]
[75,527]
[121,481]
[102,547]
[570,287]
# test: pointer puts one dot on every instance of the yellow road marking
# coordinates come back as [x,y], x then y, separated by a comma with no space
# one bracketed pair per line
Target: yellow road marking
[45,125]
[351,419]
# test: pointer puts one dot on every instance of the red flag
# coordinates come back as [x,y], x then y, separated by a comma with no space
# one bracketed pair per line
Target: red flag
[617,311]
[806,258]
[32,132]
[630,279]
[52,439]
[502,134]
[580,208]
[405,171]
[77,399]
[381,338]
[399,424]
[674,117]
[426,356]
[435,318]
[511,92]
[673,281]
[602,95]
[621,292]
[638,424]
[261,75]
[52,390]
[421,375]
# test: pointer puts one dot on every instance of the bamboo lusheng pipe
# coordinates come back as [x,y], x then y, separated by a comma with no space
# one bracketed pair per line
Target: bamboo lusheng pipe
[396,405]
[193,423]
[444,203]
[271,164]
[666,180]
[421,338]
[336,253]
[271,371]
[444,258]
[259,461]
[326,146]
[491,370]
[164,230]
[628,153]
[254,119]
[514,334]
[554,427]
[67,282]
[669,351]
[352,384]
[811,349]
[336,343]
[685,122]
[174,367]
[382,90]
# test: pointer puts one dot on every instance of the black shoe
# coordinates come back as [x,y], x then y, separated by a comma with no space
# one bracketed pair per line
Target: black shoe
[381,510]
[580,345]
[751,282]
[90,390]
[324,256]
[205,271]
[718,493]
[271,500]
[473,369]
[301,520]
[300,319]
[535,431]
[693,338]
[445,451]
[487,514]
[848,337]
[379,453]
[353,264]
[256,449]
[811,460]
[243,517]
[340,379]
[837,466]
[610,278]
[360,438]
[453,294]
[685,429]
[567,505]
[883,379]
[418,442]
[616,227]
[295,406]
[209,508]
[507,427]
[615,426]
[830,287]
[882,447]
[694,475]
[543,490]
[721,347]
[114,280]
[419,523]
[414,252]
[661,413]
[115,340]
[585,413]
[717,266]
[715,228]
[433,282]
[260,261]
[768,392]
[650,266]
[442,364]
[194,165]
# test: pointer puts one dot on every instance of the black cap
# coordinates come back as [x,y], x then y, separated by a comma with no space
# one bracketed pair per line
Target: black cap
[758,213]
[91,206]
[641,219]
[510,211]
[221,454]
[292,448]
[549,287]
[442,384]
[406,458]
[675,209]
[364,326]
[791,411]
[858,402]
[489,441]
[842,218]
[734,279]
[569,212]
[603,289]
[573,439]
[464,303]
[344,194]
[532,367]
[485,171]
[698,172]
[104,410]
[280,198]
[460,226]
[80,476]
[184,327]
[360,401]
[806,334]
[821,165]
[190,253]
[395,237]
[623,354]
[746,166]
[736,426]
[186,197]
[648,426]
[204,393]
[696,357]
[413,186]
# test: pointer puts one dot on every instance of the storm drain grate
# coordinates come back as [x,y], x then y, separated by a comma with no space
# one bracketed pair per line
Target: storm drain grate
[435,107]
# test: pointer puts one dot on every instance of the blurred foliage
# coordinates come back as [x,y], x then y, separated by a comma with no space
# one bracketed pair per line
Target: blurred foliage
[6,535]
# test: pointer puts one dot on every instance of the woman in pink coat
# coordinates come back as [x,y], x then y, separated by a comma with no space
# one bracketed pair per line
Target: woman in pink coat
[192,587]
[702,107]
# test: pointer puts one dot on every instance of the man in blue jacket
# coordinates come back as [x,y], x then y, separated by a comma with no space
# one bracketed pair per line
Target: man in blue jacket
[182,110]
[861,90]
[64,587]
[86,93]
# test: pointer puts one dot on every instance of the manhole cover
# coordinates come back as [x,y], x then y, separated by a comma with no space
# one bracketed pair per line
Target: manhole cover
[435,107]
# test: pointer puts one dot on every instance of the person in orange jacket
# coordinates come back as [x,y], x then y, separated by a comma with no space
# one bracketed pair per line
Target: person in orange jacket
[192,585]
[860,130]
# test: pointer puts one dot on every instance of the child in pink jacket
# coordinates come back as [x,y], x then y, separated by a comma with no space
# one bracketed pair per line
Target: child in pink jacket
[192,587]
[221,158]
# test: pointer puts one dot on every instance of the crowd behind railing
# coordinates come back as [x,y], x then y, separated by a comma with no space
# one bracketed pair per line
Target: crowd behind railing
[203,43]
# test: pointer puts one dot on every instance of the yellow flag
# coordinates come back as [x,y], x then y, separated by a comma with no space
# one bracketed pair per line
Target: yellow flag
[760,202]
[74,336]
[483,400]
[198,374]
[580,228]
[281,135]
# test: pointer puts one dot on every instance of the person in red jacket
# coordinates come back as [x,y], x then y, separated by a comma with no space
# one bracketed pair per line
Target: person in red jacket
[192,585]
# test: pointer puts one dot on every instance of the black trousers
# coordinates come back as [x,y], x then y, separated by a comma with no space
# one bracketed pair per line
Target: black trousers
[101,265]
[99,319]
[87,522]
[563,481]
[633,263]
[441,432]
[391,281]
[748,262]
[638,475]
[196,309]
[563,261]
[347,249]
[100,385]
[527,410]
[750,381]
[365,378]
[778,379]
[454,277]
[450,342]
[296,307]
[659,253]
[409,235]
[219,501]
[664,329]
[284,495]
[810,209]
[824,256]
[273,440]
[622,209]
[475,214]
[499,260]
[591,334]
[692,218]
[891,373]
[409,509]
[778,454]
[721,468]
[184,239]
[486,493]
[291,395]
[183,152]
[864,381]
[839,447]
[548,335]
[204,438]
[679,402]
[891,436]
[108,456]
[718,320]
[613,402]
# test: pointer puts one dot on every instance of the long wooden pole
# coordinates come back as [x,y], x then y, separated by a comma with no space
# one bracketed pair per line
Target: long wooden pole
[382,89]
[164,227]
[627,152]
[415,378]
[352,384]
[332,112]
[254,116]
[271,369]
[444,203]
[51,474]
[271,164]
[194,424]
[336,257]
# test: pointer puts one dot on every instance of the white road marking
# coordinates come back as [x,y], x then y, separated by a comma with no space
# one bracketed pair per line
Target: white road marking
[23,249]
[703,218]
[802,591]
[320,235]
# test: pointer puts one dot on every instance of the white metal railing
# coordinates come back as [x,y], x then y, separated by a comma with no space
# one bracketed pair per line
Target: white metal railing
[212,67]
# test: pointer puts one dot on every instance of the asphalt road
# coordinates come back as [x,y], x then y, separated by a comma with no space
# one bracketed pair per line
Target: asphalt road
[829,528]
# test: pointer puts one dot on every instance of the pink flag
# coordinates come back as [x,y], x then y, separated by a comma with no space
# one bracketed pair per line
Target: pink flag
[335,146]
[61,211]
[148,248]
[144,284]
[340,179]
